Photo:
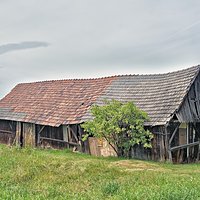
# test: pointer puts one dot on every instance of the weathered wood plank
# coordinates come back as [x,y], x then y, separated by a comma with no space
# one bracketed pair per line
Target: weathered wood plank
[7,132]
[29,134]
[66,134]
[57,140]
[18,134]
[184,146]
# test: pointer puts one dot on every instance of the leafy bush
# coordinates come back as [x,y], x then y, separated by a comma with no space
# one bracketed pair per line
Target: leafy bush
[121,124]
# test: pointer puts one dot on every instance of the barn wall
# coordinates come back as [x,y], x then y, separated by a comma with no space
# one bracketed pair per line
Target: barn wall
[25,134]
[185,133]
[49,132]
[64,136]
[185,143]
[7,131]
[158,152]
[190,109]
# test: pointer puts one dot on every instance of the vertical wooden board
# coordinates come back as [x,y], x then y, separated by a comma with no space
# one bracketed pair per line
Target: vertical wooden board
[162,146]
[93,144]
[166,144]
[65,133]
[182,136]
[18,133]
[69,133]
[154,148]
[29,134]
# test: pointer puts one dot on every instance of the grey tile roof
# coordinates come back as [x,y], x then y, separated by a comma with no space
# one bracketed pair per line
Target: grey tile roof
[159,94]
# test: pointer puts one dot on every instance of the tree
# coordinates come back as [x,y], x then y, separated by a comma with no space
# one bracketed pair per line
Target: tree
[120,124]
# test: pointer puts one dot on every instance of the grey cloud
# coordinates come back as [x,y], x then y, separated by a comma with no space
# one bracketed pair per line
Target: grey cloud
[21,46]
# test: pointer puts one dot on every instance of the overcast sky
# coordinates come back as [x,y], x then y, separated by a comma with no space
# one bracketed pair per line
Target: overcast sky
[48,39]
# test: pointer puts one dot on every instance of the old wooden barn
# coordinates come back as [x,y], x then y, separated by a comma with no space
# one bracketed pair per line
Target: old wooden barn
[49,113]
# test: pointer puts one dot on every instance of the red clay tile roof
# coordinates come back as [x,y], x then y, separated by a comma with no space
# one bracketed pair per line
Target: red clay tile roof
[52,102]
[68,101]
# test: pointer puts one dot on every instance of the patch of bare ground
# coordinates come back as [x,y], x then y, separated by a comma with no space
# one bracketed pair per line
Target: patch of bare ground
[130,165]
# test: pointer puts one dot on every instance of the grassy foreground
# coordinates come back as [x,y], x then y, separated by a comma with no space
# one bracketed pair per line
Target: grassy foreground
[53,174]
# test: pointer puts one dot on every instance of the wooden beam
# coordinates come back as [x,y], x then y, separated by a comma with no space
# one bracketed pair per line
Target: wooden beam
[173,134]
[187,140]
[170,141]
[198,152]
[166,143]
[184,146]
[66,134]
[7,132]
[11,128]
[41,130]
[69,133]
[57,140]
[38,135]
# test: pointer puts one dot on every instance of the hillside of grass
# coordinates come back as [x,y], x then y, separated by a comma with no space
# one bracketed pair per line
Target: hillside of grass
[55,174]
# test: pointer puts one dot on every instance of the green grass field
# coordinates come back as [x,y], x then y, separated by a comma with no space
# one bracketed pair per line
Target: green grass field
[54,174]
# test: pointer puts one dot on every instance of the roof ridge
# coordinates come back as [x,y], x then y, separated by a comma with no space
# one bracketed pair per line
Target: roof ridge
[107,77]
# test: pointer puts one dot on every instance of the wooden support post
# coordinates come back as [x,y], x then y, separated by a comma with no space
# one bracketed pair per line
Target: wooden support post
[80,137]
[187,140]
[162,150]
[166,144]
[18,134]
[198,152]
[66,134]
